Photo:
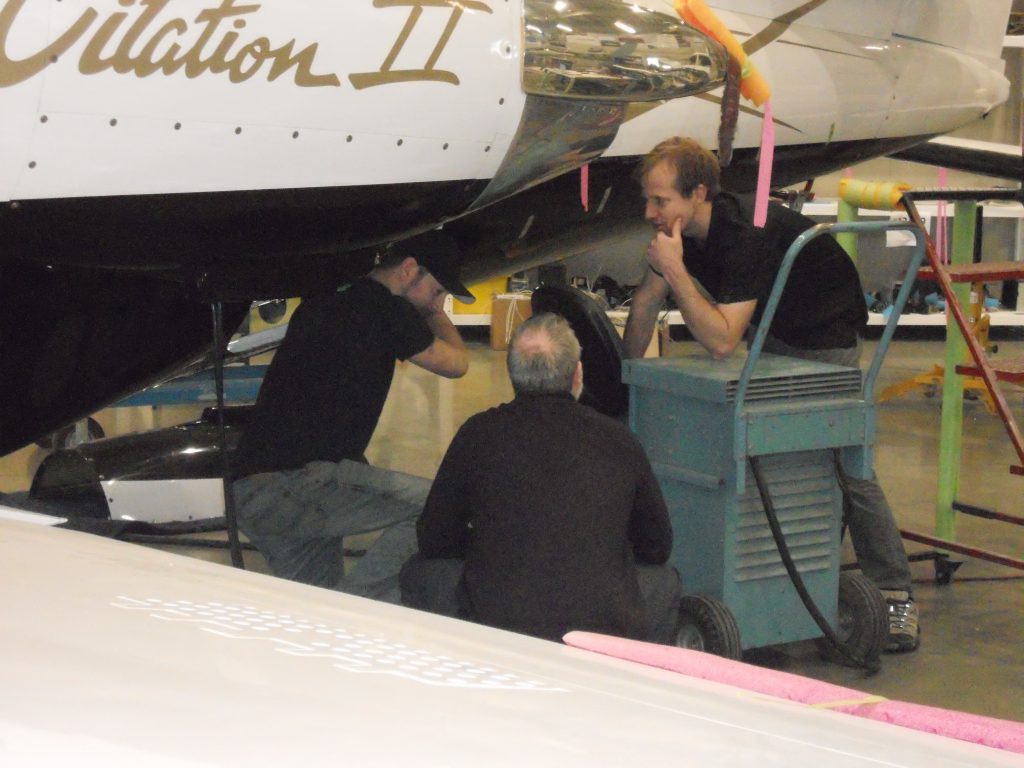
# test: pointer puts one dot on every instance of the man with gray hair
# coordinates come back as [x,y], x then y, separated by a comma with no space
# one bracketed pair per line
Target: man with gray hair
[545,516]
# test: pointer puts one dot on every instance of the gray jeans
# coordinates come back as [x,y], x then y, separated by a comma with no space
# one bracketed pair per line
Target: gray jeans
[299,518]
[873,531]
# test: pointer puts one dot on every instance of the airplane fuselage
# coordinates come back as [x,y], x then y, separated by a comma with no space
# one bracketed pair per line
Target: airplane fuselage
[187,97]
[159,154]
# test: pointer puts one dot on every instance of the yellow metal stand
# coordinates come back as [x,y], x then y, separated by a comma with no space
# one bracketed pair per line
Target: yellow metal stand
[931,382]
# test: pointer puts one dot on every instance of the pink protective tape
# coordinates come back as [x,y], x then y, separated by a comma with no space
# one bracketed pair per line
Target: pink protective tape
[764,171]
[709,667]
[941,244]
[991,732]
[585,187]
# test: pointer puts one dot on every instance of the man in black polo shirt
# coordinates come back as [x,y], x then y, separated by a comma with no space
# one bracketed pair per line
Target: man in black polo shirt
[719,268]
[545,516]
[302,482]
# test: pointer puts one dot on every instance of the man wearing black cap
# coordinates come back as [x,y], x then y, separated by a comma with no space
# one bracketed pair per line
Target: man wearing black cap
[302,482]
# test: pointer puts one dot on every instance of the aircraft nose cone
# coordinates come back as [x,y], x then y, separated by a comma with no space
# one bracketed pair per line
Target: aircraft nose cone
[607,50]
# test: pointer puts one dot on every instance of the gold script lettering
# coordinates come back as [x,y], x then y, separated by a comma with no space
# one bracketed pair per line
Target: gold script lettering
[240,64]
[387,75]
[15,71]
[90,62]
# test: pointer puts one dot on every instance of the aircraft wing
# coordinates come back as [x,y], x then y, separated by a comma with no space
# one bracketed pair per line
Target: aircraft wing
[1001,161]
[114,654]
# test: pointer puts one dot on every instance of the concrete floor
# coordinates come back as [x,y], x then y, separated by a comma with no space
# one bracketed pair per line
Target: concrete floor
[971,654]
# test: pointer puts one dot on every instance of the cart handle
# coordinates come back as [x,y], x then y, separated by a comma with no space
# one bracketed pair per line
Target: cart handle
[780,283]
[868,385]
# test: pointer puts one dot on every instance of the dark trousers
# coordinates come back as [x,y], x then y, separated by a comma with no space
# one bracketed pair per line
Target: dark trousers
[434,585]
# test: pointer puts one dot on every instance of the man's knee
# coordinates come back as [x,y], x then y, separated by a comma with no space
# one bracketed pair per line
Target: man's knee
[661,590]
[659,582]
[432,584]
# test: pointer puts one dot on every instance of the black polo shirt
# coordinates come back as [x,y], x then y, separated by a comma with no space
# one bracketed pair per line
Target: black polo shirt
[326,386]
[822,306]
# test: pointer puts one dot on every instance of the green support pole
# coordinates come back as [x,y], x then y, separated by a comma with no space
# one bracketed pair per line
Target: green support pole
[848,240]
[951,435]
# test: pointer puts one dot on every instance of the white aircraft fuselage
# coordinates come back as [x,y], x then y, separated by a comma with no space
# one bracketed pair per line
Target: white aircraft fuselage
[159,154]
[166,97]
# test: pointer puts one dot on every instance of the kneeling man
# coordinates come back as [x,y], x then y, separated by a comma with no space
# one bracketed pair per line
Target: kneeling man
[545,516]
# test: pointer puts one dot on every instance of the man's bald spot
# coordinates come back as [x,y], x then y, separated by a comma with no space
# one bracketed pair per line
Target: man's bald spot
[534,342]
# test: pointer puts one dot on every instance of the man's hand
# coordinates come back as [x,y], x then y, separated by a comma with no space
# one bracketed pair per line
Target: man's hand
[665,253]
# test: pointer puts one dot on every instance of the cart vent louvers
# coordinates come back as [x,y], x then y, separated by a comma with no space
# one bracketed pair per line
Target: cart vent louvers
[821,385]
[802,496]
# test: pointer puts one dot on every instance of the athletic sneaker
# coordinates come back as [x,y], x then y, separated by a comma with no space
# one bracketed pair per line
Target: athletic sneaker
[904,630]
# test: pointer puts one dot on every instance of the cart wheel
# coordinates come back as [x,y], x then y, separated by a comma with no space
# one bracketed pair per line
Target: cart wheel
[863,621]
[705,624]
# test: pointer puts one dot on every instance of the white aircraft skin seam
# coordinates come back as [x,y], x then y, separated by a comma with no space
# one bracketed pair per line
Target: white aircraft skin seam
[285,127]
[747,695]
[922,41]
[822,49]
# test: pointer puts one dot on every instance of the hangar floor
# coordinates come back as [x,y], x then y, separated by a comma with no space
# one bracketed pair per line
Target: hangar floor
[971,654]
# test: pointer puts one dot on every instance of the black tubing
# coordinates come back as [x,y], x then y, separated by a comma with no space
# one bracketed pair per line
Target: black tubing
[219,347]
[871,666]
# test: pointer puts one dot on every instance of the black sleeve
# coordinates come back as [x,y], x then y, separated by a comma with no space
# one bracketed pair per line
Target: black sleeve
[746,265]
[410,332]
[442,529]
[650,529]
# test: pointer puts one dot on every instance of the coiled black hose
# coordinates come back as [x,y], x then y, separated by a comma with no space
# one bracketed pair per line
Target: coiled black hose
[871,666]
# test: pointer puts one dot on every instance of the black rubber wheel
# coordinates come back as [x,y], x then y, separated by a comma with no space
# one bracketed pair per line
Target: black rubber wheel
[863,627]
[600,346]
[705,624]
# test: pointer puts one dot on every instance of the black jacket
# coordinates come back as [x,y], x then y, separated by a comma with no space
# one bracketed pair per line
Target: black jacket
[550,503]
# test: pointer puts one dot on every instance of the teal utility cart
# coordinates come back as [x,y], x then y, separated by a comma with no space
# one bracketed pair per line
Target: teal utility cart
[709,426]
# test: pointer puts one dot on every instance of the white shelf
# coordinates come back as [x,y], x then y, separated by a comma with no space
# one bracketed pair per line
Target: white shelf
[618,317]
[999,318]
[470,319]
[996,209]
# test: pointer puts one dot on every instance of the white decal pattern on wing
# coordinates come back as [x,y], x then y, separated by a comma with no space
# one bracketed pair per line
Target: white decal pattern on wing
[349,651]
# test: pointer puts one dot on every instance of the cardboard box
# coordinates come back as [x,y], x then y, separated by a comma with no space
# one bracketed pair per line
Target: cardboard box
[660,333]
[508,311]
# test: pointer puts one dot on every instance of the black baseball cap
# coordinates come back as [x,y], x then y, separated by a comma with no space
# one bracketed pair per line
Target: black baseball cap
[437,253]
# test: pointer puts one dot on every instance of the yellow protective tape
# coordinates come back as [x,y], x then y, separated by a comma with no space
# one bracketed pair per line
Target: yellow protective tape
[880,195]
[849,702]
